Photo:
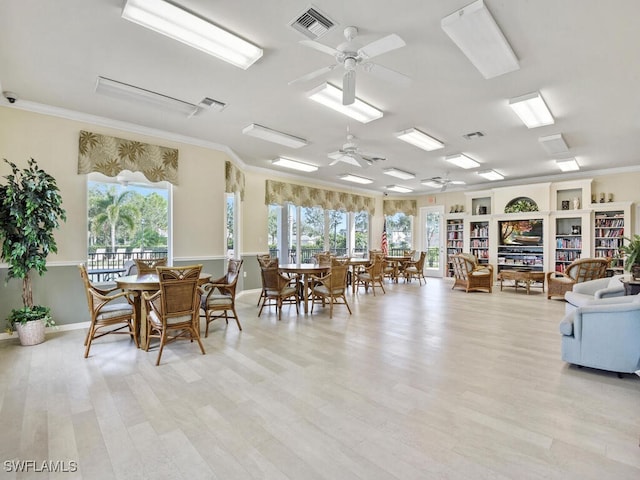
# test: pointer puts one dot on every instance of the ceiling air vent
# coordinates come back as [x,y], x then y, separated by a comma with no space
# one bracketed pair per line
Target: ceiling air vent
[312,24]
[214,105]
[472,135]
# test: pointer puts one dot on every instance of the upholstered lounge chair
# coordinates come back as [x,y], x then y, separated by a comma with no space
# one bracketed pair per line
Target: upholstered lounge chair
[471,275]
[603,335]
[582,270]
[587,292]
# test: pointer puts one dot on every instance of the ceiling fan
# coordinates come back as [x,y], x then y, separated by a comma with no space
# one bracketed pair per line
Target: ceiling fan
[350,153]
[442,182]
[350,55]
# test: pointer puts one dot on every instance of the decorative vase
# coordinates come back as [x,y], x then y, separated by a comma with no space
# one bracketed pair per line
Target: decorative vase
[31,333]
[576,203]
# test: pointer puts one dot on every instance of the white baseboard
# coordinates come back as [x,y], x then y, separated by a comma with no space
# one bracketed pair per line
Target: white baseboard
[59,328]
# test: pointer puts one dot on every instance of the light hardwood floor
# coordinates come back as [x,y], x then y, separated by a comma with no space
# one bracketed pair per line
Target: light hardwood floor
[420,383]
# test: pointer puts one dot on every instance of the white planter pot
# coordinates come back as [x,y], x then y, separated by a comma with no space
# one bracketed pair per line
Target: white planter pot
[31,333]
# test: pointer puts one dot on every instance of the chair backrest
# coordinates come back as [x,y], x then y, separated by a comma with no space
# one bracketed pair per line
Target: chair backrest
[87,285]
[375,270]
[179,295]
[409,253]
[273,280]
[324,259]
[145,267]
[587,269]
[338,277]
[233,272]
[266,260]
[462,265]
[376,256]
[340,261]
[420,262]
[130,268]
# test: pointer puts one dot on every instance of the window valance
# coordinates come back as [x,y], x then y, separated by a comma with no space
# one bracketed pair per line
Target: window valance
[300,195]
[111,155]
[234,179]
[408,207]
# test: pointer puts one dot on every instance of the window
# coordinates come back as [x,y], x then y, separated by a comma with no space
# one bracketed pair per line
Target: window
[128,217]
[231,230]
[399,227]
[340,232]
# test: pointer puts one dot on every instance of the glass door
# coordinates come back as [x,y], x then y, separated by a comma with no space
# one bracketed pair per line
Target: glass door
[432,220]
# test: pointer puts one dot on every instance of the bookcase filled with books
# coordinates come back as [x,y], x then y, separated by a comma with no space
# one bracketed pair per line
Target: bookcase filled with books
[609,230]
[479,240]
[455,240]
[568,241]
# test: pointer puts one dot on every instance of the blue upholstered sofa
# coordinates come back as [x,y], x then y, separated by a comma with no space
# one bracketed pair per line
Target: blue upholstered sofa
[603,335]
[590,291]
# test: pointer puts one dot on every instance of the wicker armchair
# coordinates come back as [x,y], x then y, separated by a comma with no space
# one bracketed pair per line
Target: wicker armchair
[107,316]
[471,275]
[559,283]
[278,289]
[330,287]
[415,268]
[145,267]
[219,296]
[174,310]
[372,275]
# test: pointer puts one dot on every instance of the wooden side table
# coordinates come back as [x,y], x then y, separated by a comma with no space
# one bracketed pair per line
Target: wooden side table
[631,287]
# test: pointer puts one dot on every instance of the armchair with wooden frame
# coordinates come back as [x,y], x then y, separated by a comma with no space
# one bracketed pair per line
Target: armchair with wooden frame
[107,316]
[219,296]
[330,287]
[469,274]
[372,275]
[578,271]
[278,289]
[145,267]
[173,312]
[415,268]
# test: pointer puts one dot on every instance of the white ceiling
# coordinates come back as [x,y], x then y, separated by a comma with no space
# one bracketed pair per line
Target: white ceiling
[582,55]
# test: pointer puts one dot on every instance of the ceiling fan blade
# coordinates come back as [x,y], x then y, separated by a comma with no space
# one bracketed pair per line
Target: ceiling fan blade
[320,47]
[314,74]
[372,158]
[387,74]
[444,187]
[341,156]
[384,45]
[349,87]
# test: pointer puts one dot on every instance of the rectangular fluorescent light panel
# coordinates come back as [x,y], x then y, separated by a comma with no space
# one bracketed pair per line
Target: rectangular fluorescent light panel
[475,32]
[568,165]
[431,183]
[419,139]
[554,144]
[124,91]
[462,161]
[331,96]
[398,188]
[491,175]
[294,164]
[532,110]
[264,133]
[185,27]
[401,174]
[355,178]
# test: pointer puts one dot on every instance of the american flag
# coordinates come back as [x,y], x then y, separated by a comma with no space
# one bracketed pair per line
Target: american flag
[384,244]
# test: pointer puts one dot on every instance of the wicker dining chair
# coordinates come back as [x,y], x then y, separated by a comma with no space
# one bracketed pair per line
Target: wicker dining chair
[265,261]
[107,316]
[415,268]
[278,290]
[219,296]
[145,267]
[330,288]
[372,275]
[559,283]
[173,312]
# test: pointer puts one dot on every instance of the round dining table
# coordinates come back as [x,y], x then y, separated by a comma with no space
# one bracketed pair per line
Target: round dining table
[304,270]
[149,282]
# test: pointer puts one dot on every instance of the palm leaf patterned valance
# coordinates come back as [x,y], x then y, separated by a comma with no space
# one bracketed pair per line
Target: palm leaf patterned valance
[234,179]
[280,193]
[111,155]
[408,207]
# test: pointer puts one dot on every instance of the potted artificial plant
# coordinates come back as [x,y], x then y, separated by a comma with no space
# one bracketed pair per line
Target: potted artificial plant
[30,210]
[632,256]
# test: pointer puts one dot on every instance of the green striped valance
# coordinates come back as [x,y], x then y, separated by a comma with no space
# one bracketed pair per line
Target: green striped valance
[408,207]
[234,179]
[280,193]
[111,155]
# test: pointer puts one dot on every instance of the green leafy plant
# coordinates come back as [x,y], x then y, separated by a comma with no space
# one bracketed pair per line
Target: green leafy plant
[30,210]
[631,251]
[521,205]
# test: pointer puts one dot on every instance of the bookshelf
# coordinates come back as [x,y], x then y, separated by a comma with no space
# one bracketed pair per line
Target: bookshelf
[608,235]
[479,240]
[455,240]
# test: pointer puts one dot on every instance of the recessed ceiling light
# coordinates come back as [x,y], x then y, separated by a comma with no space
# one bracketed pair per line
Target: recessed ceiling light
[398,188]
[401,174]
[258,131]
[568,165]
[490,175]
[294,164]
[355,178]
[462,161]
[554,144]
[181,25]
[331,96]
[419,139]
[532,110]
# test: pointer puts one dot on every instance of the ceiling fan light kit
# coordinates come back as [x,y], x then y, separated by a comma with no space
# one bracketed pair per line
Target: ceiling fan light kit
[331,96]
[398,189]
[568,164]
[124,91]
[476,33]
[294,164]
[462,161]
[490,175]
[401,174]
[270,135]
[183,26]
[355,178]
[419,139]
[532,110]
